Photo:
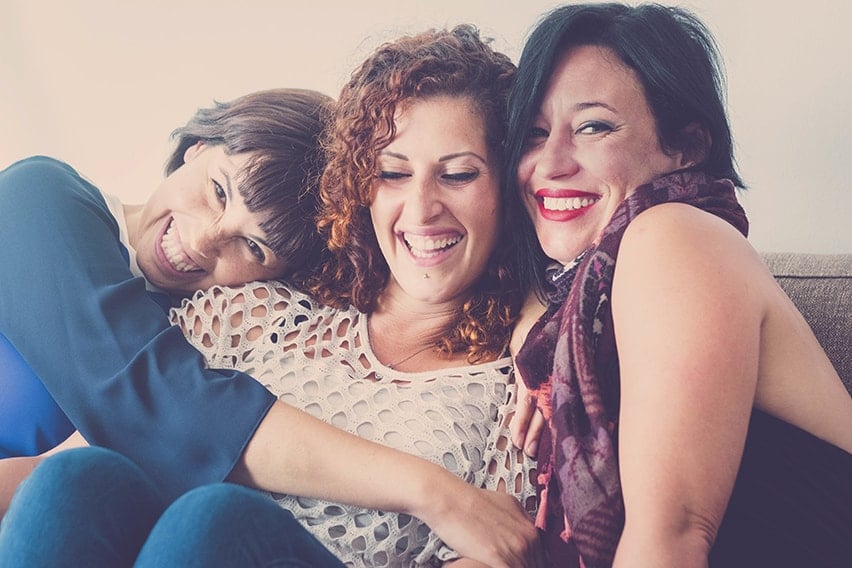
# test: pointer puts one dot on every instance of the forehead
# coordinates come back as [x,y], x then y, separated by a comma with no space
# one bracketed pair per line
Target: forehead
[591,73]
[219,158]
[439,121]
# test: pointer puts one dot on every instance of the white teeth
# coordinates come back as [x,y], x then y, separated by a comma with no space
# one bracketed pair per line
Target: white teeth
[174,251]
[566,203]
[425,247]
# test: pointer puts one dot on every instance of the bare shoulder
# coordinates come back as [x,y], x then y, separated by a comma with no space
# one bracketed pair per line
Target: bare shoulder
[686,276]
[681,243]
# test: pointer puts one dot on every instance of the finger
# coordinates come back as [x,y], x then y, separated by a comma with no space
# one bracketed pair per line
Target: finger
[533,434]
[525,410]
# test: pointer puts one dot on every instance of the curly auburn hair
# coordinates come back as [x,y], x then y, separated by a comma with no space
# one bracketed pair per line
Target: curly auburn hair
[456,63]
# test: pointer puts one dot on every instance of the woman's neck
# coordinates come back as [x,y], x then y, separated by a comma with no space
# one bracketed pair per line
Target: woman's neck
[404,332]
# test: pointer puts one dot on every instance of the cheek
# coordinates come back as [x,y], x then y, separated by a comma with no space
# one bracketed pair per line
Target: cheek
[380,219]
[377,217]
[526,166]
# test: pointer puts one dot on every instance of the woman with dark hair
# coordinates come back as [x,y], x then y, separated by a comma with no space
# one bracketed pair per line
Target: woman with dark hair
[694,418]
[402,342]
[87,281]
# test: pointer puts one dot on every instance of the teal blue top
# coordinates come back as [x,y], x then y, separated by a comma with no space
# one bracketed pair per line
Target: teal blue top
[102,345]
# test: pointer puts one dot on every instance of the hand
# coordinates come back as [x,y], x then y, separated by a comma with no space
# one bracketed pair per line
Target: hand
[485,526]
[527,422]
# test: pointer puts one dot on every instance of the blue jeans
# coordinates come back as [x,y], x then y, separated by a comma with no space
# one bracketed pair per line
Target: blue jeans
[93,507]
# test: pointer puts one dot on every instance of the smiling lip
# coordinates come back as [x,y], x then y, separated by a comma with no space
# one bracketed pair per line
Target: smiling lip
[564,204]
[429,249]
[166,265]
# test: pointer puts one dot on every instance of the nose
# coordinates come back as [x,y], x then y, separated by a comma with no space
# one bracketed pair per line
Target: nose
[424,202]
[556,158]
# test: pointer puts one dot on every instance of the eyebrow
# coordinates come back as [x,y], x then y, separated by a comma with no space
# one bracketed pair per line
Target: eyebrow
[230,194]
[594,104]
[441,159]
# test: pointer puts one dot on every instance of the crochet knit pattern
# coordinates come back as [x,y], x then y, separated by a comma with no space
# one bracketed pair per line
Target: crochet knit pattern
[319,359]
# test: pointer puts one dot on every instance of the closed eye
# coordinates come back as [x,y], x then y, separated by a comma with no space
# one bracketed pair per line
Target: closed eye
[392,175]
[460,178]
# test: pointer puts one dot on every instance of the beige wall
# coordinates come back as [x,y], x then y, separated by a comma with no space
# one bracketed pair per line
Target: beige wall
[101,84]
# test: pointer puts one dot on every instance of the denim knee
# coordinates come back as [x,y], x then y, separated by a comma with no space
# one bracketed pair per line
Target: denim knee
[224,525]
[86,506]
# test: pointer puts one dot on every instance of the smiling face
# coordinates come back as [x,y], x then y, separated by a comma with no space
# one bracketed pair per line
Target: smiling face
[436,200]
[593,142]
[195,230]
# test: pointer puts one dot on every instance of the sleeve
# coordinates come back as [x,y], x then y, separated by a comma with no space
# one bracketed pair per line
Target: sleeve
[102,346]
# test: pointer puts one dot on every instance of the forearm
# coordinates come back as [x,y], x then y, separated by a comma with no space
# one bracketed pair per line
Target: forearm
[294,453]
[686,546]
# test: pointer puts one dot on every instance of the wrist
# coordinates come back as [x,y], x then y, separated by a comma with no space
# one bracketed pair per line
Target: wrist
[434,492]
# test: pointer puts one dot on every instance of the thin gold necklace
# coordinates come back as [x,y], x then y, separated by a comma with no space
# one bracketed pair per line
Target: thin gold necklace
[408,357]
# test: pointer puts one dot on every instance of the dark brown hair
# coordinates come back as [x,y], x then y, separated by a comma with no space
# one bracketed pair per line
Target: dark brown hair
[281,127]
[677,62]
[456,63]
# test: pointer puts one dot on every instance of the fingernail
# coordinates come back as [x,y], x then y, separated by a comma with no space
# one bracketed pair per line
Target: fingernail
[532,449]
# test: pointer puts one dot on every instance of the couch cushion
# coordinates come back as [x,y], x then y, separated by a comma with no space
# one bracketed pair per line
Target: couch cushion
[821,287]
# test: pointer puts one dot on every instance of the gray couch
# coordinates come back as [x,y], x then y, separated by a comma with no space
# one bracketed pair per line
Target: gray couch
[821,287]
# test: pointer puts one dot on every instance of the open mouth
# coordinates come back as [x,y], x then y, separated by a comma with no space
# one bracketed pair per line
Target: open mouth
[566,203]
[427,247]
[174,252]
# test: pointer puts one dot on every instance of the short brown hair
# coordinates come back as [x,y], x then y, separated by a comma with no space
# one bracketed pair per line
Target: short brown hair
[281,127]
[455,63]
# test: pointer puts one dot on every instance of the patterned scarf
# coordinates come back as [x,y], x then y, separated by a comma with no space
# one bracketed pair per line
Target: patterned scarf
[569,361]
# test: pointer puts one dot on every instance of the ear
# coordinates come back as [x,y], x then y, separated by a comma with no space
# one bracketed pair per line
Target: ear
[191,152]
[695,143]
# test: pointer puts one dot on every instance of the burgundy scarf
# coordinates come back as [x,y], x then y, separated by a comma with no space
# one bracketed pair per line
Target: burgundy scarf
[570,361]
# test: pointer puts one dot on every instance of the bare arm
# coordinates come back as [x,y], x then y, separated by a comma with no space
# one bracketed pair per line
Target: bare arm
[687,320]
[323,461]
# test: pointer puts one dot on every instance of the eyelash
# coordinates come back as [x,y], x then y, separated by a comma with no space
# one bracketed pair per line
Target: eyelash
[219,191]
[455,178]
[589,128]
[254,248]
[392,175]
[537,132]
[461,177]
[596,125]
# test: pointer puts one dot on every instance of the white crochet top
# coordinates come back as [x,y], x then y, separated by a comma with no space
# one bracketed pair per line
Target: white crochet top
[319,359]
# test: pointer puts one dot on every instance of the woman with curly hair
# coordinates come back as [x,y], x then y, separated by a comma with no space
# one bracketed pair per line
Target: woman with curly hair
[402,342]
